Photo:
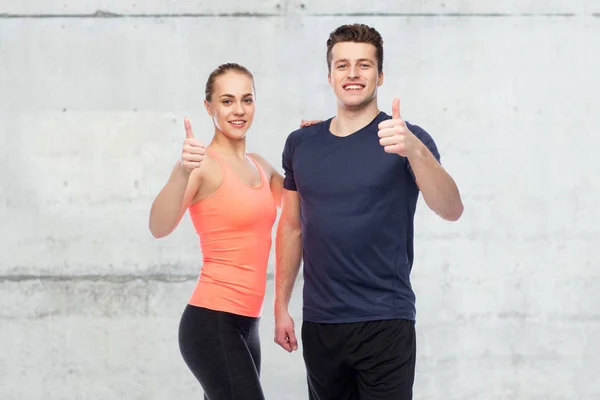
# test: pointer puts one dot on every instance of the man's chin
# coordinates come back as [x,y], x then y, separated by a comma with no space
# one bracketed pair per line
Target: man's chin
[355,104]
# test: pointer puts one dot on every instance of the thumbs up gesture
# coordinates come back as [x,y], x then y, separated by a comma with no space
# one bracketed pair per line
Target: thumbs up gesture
[394,135]
[193,150]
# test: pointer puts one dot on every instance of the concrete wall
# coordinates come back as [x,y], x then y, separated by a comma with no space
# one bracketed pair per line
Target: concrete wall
[92,97]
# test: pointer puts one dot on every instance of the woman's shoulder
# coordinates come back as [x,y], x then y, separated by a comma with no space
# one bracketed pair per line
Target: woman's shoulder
[264,164]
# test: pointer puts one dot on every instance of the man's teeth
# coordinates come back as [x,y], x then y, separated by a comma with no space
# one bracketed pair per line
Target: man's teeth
[353,87]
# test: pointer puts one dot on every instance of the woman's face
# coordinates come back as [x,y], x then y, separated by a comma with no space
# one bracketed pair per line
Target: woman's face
[231,105]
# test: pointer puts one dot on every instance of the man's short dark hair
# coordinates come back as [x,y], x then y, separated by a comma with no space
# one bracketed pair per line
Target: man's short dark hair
[357,33]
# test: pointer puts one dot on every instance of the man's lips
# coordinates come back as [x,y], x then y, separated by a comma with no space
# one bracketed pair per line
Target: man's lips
[353,86]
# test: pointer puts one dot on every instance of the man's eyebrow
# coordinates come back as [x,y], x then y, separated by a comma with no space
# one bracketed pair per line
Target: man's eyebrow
[359,60]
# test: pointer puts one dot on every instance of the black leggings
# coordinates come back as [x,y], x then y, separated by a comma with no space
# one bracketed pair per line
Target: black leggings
[223,352]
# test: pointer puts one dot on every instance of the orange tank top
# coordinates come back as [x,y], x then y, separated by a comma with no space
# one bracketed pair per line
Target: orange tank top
[234,226]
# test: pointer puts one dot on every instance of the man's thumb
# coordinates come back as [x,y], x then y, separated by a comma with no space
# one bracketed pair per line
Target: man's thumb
[396,108]
[293,340]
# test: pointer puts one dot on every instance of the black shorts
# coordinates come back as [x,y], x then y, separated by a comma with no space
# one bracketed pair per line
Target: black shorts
[372,360]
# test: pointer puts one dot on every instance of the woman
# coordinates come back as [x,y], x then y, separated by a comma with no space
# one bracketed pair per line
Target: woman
[232,199]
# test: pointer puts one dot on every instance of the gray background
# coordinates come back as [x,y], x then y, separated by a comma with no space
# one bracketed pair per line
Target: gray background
[92,99]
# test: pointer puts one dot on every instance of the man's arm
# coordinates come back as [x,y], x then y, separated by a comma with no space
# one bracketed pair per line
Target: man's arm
[437,186]
[288,255]
[439,189]
[288,249]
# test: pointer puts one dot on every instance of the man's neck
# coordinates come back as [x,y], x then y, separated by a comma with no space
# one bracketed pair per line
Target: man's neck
[347,121]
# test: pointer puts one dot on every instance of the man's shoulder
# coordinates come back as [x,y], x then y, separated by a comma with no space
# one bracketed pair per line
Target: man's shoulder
[307,132]
[417,130]
[425,138]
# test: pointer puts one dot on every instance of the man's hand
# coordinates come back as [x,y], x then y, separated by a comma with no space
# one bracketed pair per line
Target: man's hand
[193,150]
[308,122]
[395,137]
[285,335]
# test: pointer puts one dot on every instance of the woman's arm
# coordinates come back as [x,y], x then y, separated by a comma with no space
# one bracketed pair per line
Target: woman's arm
[275,178]
[173,200]
[181,188]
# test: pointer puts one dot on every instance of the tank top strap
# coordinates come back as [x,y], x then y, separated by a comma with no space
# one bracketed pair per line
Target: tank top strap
[259,168]
[219,159]
[225,166]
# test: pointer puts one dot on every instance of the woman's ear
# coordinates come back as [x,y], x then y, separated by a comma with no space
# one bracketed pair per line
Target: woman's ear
[207,106]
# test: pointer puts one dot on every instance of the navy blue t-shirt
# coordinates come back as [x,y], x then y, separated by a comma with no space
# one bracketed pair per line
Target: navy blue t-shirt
[357,206]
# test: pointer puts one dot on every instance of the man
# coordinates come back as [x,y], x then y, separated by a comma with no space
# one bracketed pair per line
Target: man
[351,189]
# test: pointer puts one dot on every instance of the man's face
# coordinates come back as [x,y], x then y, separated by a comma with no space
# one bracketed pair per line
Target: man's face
[354,75]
